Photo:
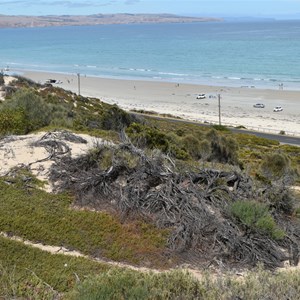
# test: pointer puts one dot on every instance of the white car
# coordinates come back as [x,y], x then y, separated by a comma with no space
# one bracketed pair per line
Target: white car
[277,108]
[201,96]
[259,105]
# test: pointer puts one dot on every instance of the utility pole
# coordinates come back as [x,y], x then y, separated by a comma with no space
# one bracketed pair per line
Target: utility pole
[219,104]
[78,75]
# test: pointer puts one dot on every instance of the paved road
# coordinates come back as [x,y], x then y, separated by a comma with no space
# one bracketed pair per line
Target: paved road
[283,139]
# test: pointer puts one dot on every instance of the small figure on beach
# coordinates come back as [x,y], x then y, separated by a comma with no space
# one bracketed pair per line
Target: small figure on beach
[281,86]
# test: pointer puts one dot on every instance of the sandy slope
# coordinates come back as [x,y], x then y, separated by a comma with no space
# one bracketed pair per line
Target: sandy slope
[20,151]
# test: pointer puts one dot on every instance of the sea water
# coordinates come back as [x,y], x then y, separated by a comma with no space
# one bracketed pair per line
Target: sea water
[253,54]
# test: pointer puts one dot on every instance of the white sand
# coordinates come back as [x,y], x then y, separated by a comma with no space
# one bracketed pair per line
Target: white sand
[16,151]
[164,97]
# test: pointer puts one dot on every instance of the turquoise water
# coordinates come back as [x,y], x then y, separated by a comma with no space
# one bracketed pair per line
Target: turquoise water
[262,54]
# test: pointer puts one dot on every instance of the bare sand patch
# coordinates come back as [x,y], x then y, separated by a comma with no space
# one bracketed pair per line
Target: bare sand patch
[17,151]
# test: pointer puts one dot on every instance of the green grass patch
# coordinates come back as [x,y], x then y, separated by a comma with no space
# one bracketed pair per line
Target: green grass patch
[254,141]
[220,128]
[35,274]
[120,284]
[37,216]
[29,273]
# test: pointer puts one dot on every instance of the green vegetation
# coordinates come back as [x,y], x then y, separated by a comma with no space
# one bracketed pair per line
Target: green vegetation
[30,107]
[13,121]
[37,216]
[210,146]
[220,128]
[275,166]
[31,112]
[29,273]
[30,213]
[35,274]
[256,217]
[257,284]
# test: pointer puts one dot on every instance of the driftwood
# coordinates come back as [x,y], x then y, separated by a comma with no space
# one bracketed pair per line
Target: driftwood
[192,205]
[54,143]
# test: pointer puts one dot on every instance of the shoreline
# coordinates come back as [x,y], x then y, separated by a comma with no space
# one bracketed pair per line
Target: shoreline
[180,100]
[219,81]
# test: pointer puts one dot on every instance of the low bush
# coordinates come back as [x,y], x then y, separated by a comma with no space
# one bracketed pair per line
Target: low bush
[223,149]
[36,111]
[192,145]
[281,199]
[124,284]
[31,273]
[121,284]
[256,217]
[13,121]
[145,136]
[275,166]
[115,118]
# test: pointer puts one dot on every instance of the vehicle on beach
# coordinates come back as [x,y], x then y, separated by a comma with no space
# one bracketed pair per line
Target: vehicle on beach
[201,96]
[53,81]
[277,108]
[259,105]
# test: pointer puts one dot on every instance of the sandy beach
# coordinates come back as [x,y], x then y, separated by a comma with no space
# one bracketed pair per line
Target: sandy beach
[180,100]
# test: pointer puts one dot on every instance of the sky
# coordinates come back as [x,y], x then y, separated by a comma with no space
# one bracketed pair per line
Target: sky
[213,8]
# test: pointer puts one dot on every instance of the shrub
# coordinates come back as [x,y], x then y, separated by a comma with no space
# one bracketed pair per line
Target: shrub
[205,149]
[256,216]
[149,137]
[35,109]
[115,118]
[125,284]
[192,145]
[275,166]
[13,121]
[145,136]
[256,284]
[61,115]
[223,149]
[281,199]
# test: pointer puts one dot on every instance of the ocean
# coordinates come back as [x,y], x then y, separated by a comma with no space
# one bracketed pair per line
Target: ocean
[261,54]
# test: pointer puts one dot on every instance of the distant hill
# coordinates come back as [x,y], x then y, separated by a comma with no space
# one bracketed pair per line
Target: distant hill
[97,19]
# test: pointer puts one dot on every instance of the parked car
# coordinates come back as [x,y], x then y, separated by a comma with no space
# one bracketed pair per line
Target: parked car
[259,105]
[201,96]
[278,108]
